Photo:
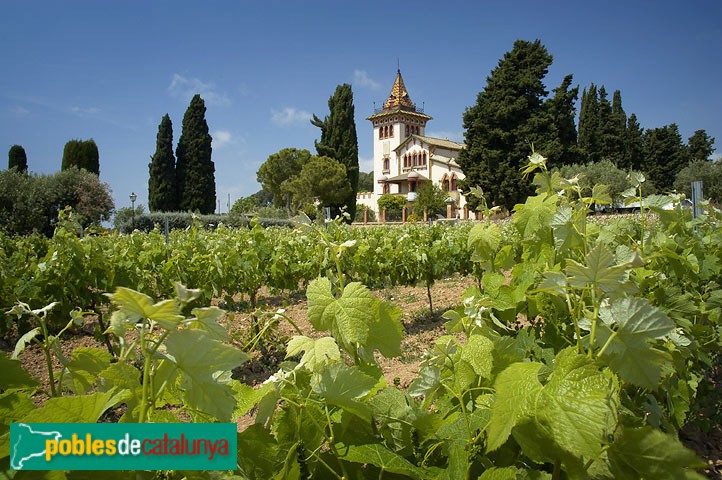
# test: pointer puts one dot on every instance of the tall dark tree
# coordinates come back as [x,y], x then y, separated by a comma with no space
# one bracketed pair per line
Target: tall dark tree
[195,171]
[561,146]
[339,141]
[504,122]
[616,131]
[633,145]
[17,159]
[162,187]
[81,154]
[589,124]
[700,146]
[664,155]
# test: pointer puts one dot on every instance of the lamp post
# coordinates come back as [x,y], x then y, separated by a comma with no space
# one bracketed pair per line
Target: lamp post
[133,196]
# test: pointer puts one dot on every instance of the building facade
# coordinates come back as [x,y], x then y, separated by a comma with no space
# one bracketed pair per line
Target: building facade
[404,157]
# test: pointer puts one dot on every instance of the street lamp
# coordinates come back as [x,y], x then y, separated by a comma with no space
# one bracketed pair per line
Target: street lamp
[133,196]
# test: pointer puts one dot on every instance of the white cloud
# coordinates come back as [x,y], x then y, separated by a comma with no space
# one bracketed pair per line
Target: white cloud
[289,116]
[366,164]
[222,138]
[185,88]
[84,112]
[453,136]
[362,79]
[20,111]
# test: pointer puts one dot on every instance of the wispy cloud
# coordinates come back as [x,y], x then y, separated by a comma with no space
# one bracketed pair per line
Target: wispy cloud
[362,79]
[222,138]
[84,112]
[289,116]
[185,88]
[20,111]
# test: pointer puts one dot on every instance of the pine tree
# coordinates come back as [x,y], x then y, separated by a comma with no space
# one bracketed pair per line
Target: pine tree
[18,159]
[339,141]
[508,117]
[195,171]
[664,155]
[162,187]
[633,145]
[81,154]
[700,146]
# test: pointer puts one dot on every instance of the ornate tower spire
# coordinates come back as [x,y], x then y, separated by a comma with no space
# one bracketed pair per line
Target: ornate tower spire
[399,97]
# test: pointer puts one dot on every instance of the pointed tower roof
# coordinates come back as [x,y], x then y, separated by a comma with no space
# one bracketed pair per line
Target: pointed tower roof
[399,97]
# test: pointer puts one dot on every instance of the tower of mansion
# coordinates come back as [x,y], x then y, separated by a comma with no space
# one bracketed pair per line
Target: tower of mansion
[404,157]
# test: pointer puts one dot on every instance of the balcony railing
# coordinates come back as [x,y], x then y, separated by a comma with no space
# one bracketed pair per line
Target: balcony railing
[402,108]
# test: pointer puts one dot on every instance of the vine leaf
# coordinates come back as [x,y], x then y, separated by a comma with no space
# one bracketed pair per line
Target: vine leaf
[649,453]
[316,353]
[515,386]
[343,387]
[379,456]
[633,322]
[200,358]
[13,374]
[77,408]
[598,271]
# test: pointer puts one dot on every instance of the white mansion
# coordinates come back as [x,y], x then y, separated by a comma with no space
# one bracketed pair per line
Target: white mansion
[404,156]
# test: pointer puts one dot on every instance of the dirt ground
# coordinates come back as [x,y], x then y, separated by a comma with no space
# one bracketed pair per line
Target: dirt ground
[421,328]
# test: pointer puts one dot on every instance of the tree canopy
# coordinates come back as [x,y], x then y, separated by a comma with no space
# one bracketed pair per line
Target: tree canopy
[321,179]
[509,116]
[162,186]
[339,141]
[81,154]
[700,146]
[195,170]
[18,159]
[278,171]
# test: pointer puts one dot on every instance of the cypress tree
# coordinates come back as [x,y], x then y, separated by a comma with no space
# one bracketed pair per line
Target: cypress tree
[561,146]
[634,145]
[81,154]
[700,146]
[339,141]
[18,159]
[162,188]
[664,155]
[195,171]
[589,124]
[508,116]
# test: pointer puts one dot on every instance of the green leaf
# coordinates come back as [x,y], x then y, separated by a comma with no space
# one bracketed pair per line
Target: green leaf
[648,453]
[629,353]
[206,319]
[166,313]
[257,452]
[321,304]
[76,409]
[535,216]
[484,240]
[122,376]
[516,388]
[13,374]
[598,271]
[577,408]
[134,305]
[379,456]
[25,340]
[84,368]
[385,330]
[478,353]
[248,397]
[199,357]
[317,353]
[343,386]
[506,473]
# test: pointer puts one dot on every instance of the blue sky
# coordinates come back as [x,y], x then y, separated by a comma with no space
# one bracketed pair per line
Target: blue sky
[110,70]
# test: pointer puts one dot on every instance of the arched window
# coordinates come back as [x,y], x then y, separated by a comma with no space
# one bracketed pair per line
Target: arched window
[391,130]
[386,164]
[424,159]
[381,133]
[407,129]
[416,162]
[445,183]
[387,189]
[452,185]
